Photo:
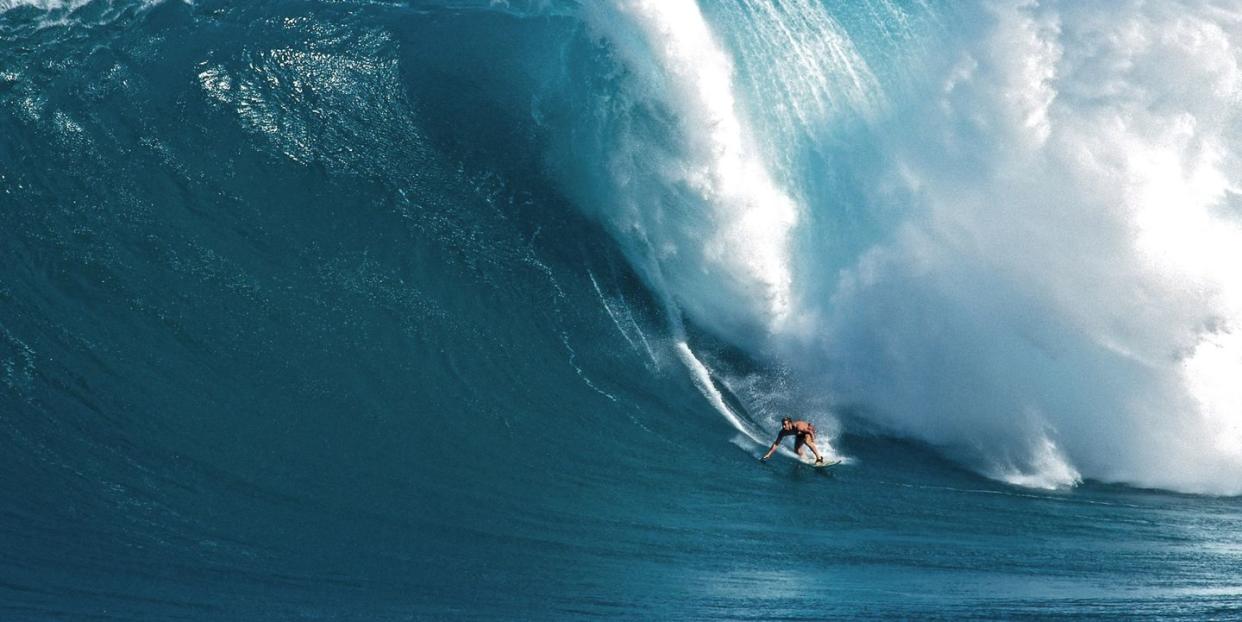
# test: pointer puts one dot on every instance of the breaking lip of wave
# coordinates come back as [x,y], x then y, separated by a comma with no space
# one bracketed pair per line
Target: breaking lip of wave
[1054,295]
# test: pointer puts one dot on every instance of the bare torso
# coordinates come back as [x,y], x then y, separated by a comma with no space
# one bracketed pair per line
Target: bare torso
[800,428]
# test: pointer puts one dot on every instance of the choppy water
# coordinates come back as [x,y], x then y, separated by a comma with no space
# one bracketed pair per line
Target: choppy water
[484,310]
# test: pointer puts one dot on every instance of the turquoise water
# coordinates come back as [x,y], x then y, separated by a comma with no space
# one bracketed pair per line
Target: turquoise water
[474,310]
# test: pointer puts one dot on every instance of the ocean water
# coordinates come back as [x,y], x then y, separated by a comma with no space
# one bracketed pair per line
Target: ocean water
[467,309]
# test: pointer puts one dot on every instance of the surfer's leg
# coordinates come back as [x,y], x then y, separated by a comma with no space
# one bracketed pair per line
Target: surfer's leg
[811,443]
[798,443]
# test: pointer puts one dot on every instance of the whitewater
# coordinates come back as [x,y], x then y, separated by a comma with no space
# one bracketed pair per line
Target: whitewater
[475,309]
[1051,291]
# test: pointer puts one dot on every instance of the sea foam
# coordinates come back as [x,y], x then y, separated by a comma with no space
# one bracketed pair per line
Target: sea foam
[1057,296]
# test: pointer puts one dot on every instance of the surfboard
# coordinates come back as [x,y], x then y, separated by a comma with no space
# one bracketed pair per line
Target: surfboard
[826,463]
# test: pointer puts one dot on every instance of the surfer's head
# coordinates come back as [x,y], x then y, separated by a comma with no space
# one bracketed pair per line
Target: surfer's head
[786,423]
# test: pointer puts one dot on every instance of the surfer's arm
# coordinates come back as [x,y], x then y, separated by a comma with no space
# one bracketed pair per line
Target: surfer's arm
[776,443]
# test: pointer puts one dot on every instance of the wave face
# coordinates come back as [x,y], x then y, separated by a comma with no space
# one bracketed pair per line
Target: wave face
[451,309]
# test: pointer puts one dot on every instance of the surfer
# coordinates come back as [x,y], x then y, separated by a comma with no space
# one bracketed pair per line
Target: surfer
[804,434]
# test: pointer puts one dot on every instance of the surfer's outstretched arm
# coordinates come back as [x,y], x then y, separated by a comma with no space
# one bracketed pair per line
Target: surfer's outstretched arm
[770,451]
[776,443]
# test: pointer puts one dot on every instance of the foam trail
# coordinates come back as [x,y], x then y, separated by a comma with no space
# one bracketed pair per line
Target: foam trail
[703,380]
[616,321]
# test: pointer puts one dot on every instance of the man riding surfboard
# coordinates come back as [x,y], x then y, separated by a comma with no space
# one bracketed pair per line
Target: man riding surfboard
[804,434]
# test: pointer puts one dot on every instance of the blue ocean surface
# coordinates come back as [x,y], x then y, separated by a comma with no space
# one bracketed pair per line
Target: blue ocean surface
[485,309]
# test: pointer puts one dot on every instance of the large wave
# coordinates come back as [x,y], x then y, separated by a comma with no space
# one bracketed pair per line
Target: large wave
[1022,248]
[1007,229]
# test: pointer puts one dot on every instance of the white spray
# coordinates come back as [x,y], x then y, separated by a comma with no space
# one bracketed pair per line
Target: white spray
[1062,297]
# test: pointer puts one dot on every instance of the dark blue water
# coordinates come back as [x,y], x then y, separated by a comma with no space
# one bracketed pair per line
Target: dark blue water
[302,318]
